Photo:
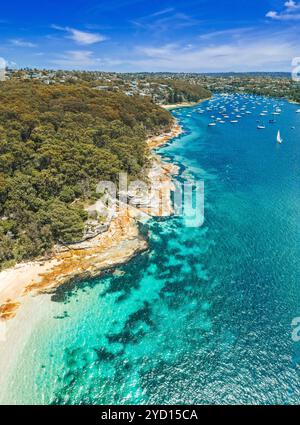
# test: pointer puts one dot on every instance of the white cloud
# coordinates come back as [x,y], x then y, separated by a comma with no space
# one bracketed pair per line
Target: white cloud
[272,14]
[22,43]
[75,58]
[250,50]
[84,59]
[283,16]
[162,12]
[231,32]
[81,37]
[165,20]
[257,51]
[292,5]
[290,13]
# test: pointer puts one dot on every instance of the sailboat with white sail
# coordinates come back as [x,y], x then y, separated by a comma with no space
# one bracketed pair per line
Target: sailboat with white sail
[279,139]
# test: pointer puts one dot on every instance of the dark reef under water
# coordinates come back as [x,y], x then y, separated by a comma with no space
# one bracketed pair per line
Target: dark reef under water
[203,316]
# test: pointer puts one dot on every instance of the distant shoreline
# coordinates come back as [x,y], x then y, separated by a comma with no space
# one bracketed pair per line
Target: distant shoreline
[294,102]
[183,104]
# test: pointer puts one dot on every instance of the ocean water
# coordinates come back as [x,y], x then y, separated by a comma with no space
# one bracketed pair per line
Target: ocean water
[204,316]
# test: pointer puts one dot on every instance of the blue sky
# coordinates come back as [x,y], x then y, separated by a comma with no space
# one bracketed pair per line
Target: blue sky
[153,35]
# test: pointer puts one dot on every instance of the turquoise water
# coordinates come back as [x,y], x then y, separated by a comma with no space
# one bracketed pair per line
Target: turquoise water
[204,316]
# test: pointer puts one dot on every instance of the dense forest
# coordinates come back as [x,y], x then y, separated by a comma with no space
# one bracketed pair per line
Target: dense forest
[56,143]
[185,91]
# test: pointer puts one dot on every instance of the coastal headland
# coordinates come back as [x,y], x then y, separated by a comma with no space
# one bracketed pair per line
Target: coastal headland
[90,258]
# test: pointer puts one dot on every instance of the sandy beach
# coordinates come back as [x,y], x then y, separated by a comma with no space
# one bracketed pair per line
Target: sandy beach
[294,102]
[183,104]
[114,247]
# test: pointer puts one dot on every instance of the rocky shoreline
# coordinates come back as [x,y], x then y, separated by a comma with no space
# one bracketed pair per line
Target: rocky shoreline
[91,257]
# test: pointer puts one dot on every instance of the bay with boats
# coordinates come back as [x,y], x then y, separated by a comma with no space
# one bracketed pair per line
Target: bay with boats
[204,315]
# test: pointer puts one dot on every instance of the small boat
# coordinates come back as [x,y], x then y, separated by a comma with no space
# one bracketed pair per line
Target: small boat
[212,124]
[298,111]
[234,121]
[261,127]
[279,139]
